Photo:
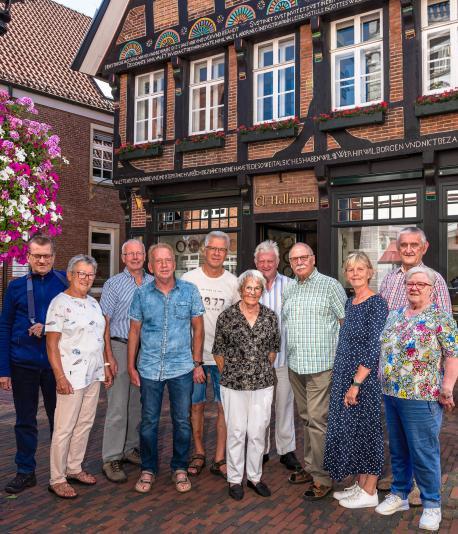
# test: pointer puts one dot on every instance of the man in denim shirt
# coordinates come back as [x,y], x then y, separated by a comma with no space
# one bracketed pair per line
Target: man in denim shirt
[163,314]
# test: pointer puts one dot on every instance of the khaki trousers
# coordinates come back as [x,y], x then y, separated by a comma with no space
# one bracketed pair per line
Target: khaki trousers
[311,393]
[73,420]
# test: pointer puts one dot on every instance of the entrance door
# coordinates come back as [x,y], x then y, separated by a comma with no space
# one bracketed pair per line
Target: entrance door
[286,235]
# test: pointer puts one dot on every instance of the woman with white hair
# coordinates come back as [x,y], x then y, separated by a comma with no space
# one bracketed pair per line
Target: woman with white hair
[419,368]
[247,340]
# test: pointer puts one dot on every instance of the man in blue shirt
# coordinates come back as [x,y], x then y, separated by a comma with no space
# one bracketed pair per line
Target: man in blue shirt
[24,365]
[163,315]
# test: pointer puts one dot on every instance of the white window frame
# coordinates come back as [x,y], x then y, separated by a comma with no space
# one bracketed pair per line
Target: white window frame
[427,31]
[275,68]
[357,48]
[113,230]
[150,97]
[208,84]
[95,179]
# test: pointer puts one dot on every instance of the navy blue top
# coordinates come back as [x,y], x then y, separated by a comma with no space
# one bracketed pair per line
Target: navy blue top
[15,343]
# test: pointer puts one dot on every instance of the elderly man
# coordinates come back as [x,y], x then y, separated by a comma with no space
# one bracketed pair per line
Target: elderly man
[218,289]
[313,306]
[24,365]
[122,420]
[412,245]
[266,259]
[163,314]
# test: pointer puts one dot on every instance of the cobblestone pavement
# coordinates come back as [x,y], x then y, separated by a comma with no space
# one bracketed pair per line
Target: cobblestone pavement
[117,508]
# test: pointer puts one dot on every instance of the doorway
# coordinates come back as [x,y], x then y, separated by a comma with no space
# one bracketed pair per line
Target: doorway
[286,235]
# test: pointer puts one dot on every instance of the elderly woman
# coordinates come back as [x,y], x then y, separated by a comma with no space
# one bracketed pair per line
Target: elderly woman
[419,367]
[74,339]
[247,340]
[354,439]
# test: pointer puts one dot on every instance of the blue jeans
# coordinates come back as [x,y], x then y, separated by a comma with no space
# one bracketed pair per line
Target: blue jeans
[26,384]
[413,430]
[199,392]
[180,391]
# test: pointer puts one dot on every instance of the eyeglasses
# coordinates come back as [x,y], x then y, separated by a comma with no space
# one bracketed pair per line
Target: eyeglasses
[222,250]
[418,285]
[38,257]
[301,259]
[251,289]
[82,275]
[133,254]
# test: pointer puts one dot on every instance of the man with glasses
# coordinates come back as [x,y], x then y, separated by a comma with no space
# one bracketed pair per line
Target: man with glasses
[24,365]
[313,306]
[218,289]
[412,245]
[122,420]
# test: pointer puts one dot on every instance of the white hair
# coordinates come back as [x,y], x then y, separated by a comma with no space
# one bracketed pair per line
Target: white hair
[251,273]
[308,247]
[430,274]
[267,246]
[217,234]
[132,241]
[412,230]
[81,258]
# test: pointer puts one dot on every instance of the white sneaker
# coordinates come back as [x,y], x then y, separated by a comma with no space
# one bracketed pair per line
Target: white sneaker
[360,499]
[392,504]
[430,519]
[346,492]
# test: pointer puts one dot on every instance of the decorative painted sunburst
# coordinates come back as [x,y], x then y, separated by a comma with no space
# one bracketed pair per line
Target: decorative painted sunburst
[131,49]
[167,38]
[201,27]
[239,15]
[280,5]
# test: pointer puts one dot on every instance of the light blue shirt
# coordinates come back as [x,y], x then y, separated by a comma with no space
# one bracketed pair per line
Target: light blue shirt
[165,350]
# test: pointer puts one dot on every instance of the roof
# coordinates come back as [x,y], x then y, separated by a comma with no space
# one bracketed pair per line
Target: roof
[37,51]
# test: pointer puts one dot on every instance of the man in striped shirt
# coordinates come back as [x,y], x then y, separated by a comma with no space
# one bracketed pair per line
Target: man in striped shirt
[266,259]
[120,435]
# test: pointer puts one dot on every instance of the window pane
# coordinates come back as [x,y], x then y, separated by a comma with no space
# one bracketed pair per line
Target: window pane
[217,94]
[345,34]
[452,202]
[410,211]
[371,78]
[383,213]
[101,238]
[396,213]
[286,105]
[265,109]
[265,83]
[439,61]
[438,11]
[286,79]
[198,121]
[370,29]
[368,215]
[218,68]
[142,110]
[199,96]
[103,259]
[368,202]
[143,85]
[200,72]
[158,82]
[345,81]
[141,131]
[286,51]
[265,56]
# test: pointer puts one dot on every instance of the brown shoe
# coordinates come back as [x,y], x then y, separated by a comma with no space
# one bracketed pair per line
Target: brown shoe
[316,492]
[114,471]
[300,477]
[414,496]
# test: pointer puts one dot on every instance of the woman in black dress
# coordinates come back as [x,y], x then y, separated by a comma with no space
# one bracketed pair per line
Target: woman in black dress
[354,439]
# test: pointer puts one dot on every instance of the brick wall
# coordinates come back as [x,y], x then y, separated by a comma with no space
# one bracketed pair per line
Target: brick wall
[165,13]
[199,158]
[439,123]
[306,69]
[392,128]
[232,3]
[138,216]
[162,163]
[134,25]
[396,60]
[331,143]
[267,149]
[309,145]
[200,8]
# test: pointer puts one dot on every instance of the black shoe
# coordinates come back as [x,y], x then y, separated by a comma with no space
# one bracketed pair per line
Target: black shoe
[290,461]
[265,458]
[260,488]
[236,492]
[20,482]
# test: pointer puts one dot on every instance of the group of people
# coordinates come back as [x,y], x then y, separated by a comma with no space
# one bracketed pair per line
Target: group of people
[260,340]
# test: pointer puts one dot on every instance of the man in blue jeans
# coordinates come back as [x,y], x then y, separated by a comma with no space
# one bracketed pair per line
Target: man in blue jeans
[24,365]
[163,314]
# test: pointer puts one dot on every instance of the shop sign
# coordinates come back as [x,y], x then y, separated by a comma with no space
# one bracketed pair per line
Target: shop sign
[283,200]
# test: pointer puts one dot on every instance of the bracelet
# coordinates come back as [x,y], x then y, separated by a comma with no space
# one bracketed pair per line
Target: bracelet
[107,364]
[355,383]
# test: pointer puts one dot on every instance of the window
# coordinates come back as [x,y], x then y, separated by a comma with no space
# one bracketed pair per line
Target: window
[440,45]
[357,60]
[206,109]
[377,207]
[102,156]
[149,107]
[103,247]
[274,79]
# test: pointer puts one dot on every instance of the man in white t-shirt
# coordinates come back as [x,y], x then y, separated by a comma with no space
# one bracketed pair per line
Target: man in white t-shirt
[218,289]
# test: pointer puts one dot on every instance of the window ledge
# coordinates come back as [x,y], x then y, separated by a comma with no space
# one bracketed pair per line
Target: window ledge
[204,144]
[154,151]
[341,123]
[254,136]
[436,108]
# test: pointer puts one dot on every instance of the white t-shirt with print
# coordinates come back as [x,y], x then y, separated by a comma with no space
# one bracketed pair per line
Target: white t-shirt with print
[217,295]
[82,324]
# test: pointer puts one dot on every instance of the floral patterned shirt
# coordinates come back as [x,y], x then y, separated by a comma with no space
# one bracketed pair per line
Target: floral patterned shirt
[414,351]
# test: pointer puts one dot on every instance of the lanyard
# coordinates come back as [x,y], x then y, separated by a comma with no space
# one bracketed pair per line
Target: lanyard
[30,299]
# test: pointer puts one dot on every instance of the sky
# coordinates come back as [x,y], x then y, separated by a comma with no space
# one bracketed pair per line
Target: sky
[88,7]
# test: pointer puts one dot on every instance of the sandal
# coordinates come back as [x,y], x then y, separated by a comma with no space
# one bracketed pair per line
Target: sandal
[197,463]
[300,477]
[182,482]
[82,478]
[63,490]
[144,484]
[316,492]
[215,468]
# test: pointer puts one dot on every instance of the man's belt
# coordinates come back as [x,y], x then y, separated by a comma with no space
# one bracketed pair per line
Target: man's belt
[120,339]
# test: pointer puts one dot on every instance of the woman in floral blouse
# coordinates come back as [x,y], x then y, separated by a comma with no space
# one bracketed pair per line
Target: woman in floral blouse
[419,367]
[247,340]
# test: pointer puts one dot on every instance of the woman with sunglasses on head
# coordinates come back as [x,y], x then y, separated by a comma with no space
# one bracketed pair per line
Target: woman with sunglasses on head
[74,339]
[419,367]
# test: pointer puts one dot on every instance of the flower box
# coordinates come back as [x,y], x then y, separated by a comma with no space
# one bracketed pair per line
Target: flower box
[138,153]
[436,108]
[202,144]
[341,123]
[253,136]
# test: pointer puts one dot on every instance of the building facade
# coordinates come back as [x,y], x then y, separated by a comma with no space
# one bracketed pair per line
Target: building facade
[325,121]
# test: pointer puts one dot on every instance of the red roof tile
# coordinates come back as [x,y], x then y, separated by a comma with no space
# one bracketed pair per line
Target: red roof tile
[43,38]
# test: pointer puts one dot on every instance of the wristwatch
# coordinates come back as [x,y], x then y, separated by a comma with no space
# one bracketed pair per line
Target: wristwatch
[357,384]
[197,363]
